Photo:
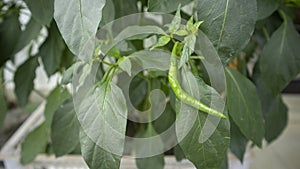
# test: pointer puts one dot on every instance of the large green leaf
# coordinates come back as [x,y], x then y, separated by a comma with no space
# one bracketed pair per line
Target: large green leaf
[32,30]
[166,6]
[155,161]
[102,114]
[280,59]
[34,143]
[206,143]
[228,24]
[52,49]
[78,21]
[9,32]
[238,142]
[42,11]
[65,129]
[95,156]
[266,7]
[274,110]
[23,79]
[244,106]
[3,104]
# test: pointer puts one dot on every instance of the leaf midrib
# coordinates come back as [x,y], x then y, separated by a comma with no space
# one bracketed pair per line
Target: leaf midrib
[238,88]
[223,24]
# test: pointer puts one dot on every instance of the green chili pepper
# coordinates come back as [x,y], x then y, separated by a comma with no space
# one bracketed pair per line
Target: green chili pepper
[181,94]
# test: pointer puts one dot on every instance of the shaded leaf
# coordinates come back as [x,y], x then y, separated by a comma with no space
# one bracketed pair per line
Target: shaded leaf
[42,11]
[280,59]
[238,142]
[68,74]
[23,79]
[31,32]
[78,21]
[34,143]
[51,50]
[244,106]
[9,32]
[3,103]
[228,24]
[165,6]
[155,161]
[266,7]
[274,110]
[65,129]
[123,8]
[178,153]
[108,13]
[57,96]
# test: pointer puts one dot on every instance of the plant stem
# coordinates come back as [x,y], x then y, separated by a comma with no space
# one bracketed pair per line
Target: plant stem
[266,33]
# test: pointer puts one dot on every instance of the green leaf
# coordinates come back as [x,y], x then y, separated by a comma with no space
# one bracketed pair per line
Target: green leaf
[34,143]
[228,24]
[176,22]
[280,59]
[102,114]
[42,11]
[23,79]
[155,161]
[3,103]
[244,106]
[125,65]
[166,6]
[274,110]
[158,59]
[52,49]
[95,156]
[65,129]
[133,31]
[31,32]
[188,49]
[238,142]
[9,32]
[162,41]
[78,21]
[57,96]
[201,148]
[266,7]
